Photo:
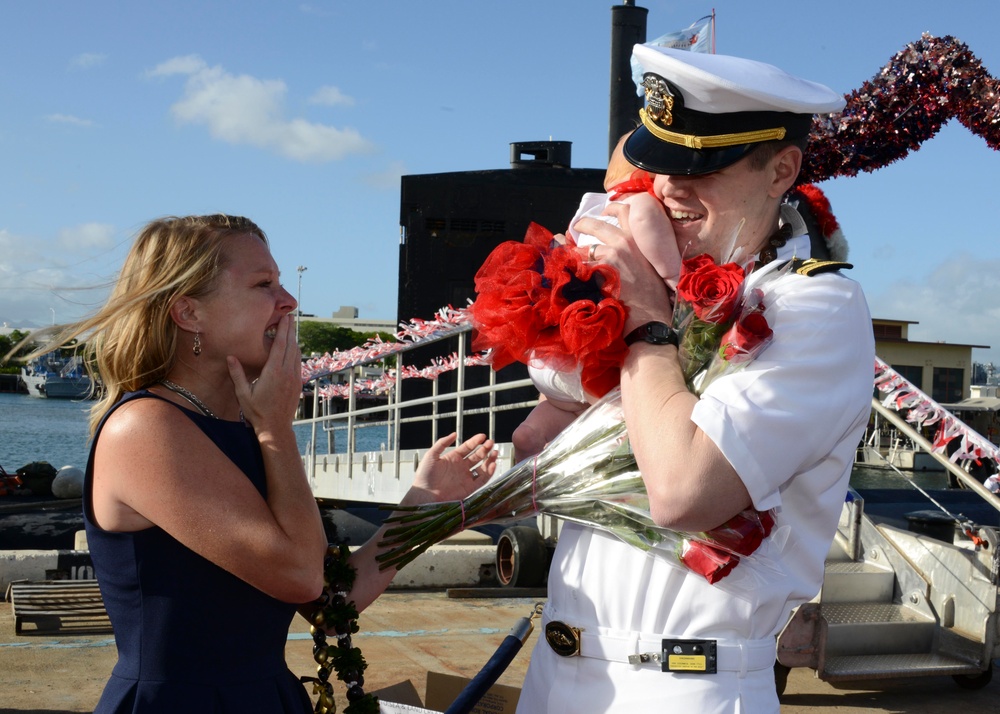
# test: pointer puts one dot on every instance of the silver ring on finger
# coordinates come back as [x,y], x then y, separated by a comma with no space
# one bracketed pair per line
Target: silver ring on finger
[592,254]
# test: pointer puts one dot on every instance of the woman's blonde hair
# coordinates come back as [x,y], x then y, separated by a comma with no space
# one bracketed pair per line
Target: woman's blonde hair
[131,342]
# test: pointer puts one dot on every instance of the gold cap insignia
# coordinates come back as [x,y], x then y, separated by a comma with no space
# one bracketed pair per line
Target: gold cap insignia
[659,99]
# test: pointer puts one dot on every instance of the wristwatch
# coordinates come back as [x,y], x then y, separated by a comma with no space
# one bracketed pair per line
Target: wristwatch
[655,333]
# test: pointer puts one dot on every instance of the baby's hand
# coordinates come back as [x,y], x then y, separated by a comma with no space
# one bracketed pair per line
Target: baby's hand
[654,235]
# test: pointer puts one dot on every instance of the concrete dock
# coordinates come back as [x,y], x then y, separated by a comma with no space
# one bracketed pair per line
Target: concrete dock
[406,634]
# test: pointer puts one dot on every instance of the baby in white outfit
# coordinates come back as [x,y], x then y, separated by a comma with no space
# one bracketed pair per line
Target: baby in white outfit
[562,395]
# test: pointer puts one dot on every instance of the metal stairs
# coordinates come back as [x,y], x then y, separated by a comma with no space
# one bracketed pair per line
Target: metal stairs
[897,604]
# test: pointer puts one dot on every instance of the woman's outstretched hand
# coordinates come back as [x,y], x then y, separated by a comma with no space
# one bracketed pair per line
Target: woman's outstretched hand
[454,475]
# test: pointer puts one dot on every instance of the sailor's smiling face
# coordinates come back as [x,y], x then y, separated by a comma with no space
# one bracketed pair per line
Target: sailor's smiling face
[730,213]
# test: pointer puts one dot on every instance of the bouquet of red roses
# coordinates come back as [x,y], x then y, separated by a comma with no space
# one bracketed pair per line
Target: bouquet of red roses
[588,473]
[539,300]
[720,323]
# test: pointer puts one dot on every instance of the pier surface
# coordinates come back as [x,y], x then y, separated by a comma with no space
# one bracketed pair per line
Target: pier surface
[403,636]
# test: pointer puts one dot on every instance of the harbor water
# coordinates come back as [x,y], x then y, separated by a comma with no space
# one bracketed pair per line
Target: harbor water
[56,431]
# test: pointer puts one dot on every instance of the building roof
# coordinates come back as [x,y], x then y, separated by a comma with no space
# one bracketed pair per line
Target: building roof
[975,404]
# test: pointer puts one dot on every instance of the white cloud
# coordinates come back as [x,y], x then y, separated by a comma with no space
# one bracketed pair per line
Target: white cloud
[86,238]
[247,110]
[68,119]
[189,64]
[315,10]
[87,60]
[331,96]
[955,303]
[39,275]
[389,178]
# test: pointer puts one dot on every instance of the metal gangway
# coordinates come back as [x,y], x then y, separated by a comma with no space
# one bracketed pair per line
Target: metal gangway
[906,602]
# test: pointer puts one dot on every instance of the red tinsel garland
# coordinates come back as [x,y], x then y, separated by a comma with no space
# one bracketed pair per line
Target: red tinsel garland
[923,86]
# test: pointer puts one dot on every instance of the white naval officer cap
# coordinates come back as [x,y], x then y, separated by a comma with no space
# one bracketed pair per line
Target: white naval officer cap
[705,111]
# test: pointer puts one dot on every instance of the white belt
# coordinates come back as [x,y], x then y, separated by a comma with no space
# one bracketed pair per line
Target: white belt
[640,649]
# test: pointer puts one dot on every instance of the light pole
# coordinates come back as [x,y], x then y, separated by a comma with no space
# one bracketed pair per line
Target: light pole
[298,303]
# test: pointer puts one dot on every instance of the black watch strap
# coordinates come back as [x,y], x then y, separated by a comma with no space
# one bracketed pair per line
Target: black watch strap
[655,333]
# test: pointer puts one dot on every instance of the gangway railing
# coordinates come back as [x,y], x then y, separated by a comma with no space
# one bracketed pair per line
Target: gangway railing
[918,439]
[908,409]
[383,475]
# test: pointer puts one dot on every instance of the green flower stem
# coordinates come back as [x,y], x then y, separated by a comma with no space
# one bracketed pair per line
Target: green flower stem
[556,473]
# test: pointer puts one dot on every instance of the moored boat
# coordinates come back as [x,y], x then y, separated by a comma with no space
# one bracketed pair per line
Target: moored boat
[54,377]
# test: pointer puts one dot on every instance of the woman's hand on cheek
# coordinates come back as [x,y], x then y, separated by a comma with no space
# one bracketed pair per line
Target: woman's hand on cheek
[273,397]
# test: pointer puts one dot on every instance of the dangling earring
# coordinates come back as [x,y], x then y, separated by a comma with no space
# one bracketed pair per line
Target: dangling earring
[197,344]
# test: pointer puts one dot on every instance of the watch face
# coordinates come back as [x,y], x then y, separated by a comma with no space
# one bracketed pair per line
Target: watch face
[659,332]
[655,333]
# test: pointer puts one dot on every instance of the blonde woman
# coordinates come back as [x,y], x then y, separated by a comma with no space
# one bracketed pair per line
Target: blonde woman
[204,534]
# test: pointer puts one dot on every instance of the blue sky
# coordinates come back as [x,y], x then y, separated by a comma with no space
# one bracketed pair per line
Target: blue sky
[304,117]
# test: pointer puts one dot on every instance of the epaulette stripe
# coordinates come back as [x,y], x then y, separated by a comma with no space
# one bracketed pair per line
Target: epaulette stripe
[815,267]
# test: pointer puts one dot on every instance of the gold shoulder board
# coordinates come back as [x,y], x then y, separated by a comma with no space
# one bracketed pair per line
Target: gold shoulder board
[815,267]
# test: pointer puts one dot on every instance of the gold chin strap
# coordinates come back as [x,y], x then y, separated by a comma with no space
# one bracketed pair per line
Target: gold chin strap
[710,142]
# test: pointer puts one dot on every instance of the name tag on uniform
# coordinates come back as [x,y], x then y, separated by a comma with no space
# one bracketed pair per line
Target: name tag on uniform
[690,656]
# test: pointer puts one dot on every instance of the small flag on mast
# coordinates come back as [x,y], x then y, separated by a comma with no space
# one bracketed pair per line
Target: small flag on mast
[699,37]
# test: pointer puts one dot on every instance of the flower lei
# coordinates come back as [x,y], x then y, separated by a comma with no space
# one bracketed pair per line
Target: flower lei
[540,301]
[335,612]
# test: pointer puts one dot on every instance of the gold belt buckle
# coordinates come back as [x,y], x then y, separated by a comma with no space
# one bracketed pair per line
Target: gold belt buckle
[563,639]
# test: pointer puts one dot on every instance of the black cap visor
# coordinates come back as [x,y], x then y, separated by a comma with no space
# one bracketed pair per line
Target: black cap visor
[644,150]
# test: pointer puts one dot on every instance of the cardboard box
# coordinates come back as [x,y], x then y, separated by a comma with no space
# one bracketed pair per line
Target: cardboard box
[443,689]
[400,693]
[385,707]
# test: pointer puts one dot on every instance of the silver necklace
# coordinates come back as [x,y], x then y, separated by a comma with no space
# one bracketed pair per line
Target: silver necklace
[178,389]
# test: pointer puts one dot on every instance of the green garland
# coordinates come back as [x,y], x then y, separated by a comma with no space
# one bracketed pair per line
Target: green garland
[334,612]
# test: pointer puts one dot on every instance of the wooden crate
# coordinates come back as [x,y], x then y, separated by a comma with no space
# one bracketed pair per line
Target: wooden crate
[58,606]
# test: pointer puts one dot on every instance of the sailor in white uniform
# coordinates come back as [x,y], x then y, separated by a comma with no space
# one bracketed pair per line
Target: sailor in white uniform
[631,632]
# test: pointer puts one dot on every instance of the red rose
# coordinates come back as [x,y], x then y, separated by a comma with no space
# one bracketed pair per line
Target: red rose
[711,290]
[745,338]
[698,262]
[743,533]
[587,327]
[711,563]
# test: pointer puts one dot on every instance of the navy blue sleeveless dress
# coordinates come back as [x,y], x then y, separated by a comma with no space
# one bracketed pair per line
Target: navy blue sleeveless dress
[191,637]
